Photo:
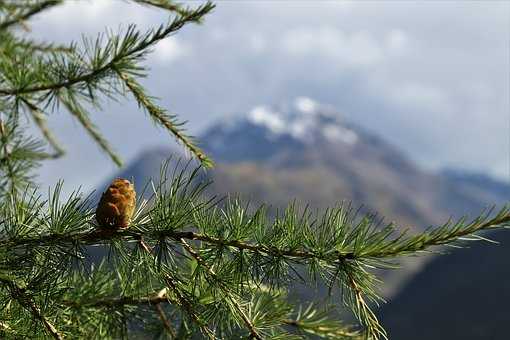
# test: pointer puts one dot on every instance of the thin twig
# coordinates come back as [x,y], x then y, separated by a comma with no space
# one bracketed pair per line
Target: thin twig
[164,320]
[251,328]
[120,301]
[374,328]
[169,6]
[162,297]
[160,116]
[24,300]
[6,155]
[19,19]
[39,120]
[344,333]
[183,301]
[103,236]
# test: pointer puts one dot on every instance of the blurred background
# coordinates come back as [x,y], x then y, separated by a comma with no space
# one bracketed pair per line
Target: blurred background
[401,106]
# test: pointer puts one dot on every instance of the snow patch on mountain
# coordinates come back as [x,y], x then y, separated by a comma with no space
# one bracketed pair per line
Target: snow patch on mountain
[262,115]
[339,133]
[306,105]
[305,121]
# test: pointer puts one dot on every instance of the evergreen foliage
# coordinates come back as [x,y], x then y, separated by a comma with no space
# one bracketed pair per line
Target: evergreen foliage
[189,266]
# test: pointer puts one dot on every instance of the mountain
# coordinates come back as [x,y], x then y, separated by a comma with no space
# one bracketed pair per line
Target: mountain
[306,151]
[463,295]
[476,187]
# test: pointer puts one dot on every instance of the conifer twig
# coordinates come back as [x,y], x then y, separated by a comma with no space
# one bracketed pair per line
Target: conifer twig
[370,320]
[182,300]
[338,332]
[40,121]
[412,243]
[24,300]
[164,320]
[100,236]
[164,4]
[251,328]
[35,9]
[159,115]
[81,115]
[6,157]
[162,297]
[107,67]
[121,301]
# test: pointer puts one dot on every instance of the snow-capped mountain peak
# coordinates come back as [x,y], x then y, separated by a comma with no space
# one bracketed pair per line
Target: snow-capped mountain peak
[304,120]
[294,126]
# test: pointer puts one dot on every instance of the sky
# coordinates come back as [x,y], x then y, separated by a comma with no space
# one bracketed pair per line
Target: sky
[431,77]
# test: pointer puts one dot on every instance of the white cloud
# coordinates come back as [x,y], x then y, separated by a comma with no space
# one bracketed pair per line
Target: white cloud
[218,34]
[85,12]
[397,40]
[170,49]
[74,18]
[257,42]
[420,98]
[359,48]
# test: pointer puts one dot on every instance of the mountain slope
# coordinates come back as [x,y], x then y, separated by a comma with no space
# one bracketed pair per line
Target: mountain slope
[463,295]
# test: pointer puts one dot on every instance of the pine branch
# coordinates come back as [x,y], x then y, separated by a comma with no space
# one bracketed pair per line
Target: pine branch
[166,5]
[161,117]
[155,299]
[308,320]
[24,300]
[164,320]
[251,328]
[6,156]
[24,15]
[40,121]
[78,111]
[401,245]
[188,307]
[334,332]
[363,311]
[317,322]
[443,235]
[71,77]
[96,237]
[370,244]
[181,299]
[99,293]
[19,154]
[134,49]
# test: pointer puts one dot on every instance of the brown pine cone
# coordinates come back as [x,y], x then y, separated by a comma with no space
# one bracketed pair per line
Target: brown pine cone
[117,205]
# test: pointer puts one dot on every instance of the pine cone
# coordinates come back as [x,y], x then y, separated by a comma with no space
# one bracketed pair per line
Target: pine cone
[117,205]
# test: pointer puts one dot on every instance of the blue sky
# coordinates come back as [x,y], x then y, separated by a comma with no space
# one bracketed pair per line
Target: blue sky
[430,76]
